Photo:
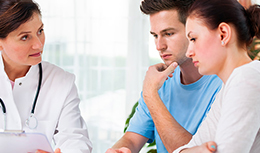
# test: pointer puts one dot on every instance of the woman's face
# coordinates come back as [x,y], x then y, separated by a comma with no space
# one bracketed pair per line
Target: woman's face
[24,46]
[204,47]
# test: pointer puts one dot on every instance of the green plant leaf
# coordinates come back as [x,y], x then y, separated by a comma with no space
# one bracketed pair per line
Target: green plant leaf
[254,49]
[151,144]
[130,116]
[152,151]
[127,124]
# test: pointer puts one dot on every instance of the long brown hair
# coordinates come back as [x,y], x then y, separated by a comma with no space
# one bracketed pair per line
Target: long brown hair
[13,13]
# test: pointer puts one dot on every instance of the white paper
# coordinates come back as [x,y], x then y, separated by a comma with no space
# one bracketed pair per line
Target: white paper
[23,142]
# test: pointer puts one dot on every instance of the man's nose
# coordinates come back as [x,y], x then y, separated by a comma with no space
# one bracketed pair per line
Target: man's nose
[161,44]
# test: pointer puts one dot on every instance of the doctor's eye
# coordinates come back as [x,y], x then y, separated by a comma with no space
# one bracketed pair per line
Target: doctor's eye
[24,37]
[40,31]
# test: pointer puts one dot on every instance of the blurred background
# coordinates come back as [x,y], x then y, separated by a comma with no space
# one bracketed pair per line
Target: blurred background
[107,45]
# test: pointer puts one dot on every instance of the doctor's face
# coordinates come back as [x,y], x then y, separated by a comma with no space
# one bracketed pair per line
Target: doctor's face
[24,45]
[169,36]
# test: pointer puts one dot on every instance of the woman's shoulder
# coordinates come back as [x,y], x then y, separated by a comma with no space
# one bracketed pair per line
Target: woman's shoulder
[249,69]
[249,72]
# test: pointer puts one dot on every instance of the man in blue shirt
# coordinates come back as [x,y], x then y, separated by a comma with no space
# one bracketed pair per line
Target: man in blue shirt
[169,111]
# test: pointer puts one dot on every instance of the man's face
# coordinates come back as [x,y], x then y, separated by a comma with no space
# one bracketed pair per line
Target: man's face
[169,36]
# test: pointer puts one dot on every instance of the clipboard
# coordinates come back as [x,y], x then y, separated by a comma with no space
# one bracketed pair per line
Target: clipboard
[11,142]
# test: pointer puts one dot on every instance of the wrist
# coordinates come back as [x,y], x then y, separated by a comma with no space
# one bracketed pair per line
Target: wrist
[151,94]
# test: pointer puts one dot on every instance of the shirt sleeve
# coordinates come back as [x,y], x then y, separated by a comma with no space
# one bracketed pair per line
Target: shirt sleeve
[142,123]
[72,133]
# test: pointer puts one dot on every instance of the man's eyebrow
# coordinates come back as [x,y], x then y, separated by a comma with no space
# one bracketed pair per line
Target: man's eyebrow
[164,30]
[153,33]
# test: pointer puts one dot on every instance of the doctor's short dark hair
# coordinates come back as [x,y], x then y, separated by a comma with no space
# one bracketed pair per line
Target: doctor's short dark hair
[13,13]
[149,7]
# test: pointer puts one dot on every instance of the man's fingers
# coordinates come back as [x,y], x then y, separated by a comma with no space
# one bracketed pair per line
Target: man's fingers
[160,67]
[171,75]
[171,68]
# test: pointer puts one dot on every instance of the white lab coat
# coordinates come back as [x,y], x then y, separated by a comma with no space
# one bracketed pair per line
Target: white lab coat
[57,108]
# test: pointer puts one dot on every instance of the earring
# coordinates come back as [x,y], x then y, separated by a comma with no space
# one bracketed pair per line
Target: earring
[222,43]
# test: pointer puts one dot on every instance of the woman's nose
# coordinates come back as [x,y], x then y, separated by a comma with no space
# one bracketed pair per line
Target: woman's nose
[189,52]
[38,43]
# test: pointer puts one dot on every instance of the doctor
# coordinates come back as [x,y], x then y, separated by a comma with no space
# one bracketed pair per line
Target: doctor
[36,96]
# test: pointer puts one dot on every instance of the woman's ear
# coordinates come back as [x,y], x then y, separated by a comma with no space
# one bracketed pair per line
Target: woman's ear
[1,47]
[225,33]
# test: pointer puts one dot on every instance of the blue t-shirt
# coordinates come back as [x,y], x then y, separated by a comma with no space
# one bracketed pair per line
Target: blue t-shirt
[188,104]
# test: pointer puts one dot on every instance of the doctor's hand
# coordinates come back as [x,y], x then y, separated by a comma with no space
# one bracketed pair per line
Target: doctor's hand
[156,76]
[120,150]
[41,151]
[208,147]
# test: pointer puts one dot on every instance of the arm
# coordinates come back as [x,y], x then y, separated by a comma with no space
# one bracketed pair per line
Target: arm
[208,147]
[130,140]
[140,130]
[172,134]
[239,123]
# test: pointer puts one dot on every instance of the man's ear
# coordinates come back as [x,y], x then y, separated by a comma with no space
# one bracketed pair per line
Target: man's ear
[225,33]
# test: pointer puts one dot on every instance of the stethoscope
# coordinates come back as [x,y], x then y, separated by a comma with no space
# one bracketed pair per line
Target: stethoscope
[31,122]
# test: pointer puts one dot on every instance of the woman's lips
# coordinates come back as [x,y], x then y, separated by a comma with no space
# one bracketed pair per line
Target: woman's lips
[195,63]
[36,54]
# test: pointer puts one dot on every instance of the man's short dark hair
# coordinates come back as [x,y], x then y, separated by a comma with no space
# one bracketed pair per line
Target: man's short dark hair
[149,7]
